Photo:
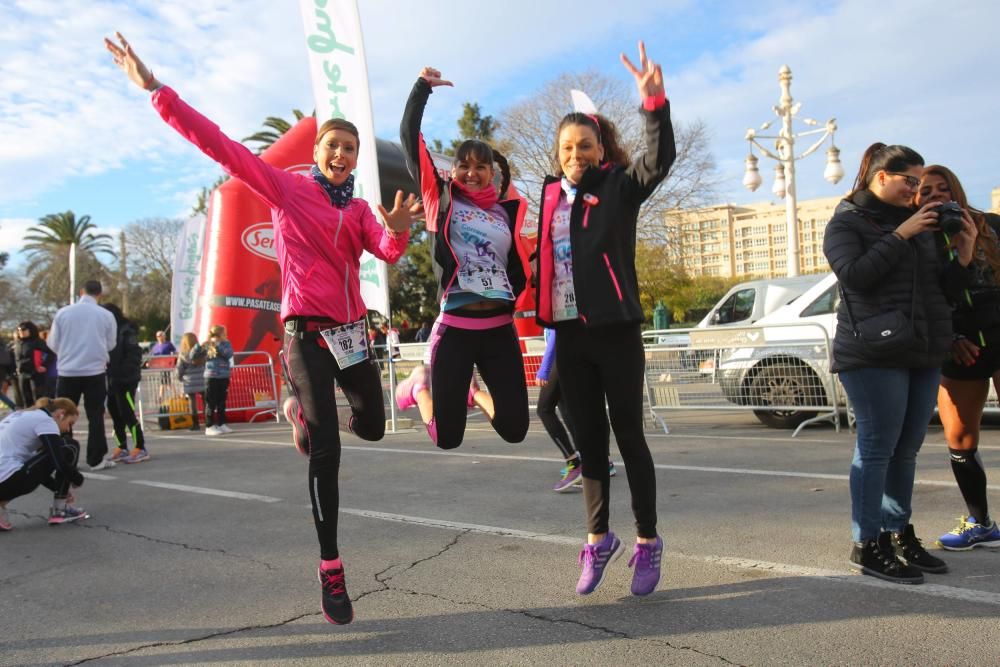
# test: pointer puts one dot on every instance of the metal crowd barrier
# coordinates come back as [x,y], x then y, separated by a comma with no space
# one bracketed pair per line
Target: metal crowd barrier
[253,389]
[780,372]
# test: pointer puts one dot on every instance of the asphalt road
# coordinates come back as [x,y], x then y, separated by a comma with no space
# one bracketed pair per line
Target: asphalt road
[207,555]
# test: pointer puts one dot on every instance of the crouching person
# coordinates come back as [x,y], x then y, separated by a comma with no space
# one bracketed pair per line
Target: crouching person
[37,450]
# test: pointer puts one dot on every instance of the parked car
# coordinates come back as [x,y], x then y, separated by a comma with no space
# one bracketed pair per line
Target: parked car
[743,305]
[791,375]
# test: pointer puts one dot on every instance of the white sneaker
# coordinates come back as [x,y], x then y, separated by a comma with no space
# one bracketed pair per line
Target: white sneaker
[225,429]
[106,463]
[213,430]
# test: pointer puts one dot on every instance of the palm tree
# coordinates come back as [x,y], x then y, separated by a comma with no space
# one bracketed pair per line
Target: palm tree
[277,127]
[48,245]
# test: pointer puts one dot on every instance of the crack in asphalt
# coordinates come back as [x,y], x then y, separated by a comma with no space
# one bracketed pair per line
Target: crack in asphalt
[192,640]
[96,526]
[384,582]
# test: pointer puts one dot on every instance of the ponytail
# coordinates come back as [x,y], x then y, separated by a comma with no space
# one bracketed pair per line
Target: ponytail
[504,172]
[879,157]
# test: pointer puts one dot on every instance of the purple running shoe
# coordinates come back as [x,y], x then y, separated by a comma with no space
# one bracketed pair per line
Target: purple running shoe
[595,559]
[645,562]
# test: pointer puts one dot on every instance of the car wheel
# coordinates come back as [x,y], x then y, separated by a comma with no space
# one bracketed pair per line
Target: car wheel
[786,384]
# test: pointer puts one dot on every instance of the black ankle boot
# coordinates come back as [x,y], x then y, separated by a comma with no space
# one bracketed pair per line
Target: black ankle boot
[910,549]
[877,558]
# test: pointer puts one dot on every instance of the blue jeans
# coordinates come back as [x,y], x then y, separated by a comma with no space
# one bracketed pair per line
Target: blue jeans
[892,407]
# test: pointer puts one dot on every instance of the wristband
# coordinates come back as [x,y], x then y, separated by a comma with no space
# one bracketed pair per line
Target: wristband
[654,102]
[898,235]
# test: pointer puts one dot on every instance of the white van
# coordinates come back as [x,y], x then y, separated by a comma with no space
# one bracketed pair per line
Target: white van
[748,302]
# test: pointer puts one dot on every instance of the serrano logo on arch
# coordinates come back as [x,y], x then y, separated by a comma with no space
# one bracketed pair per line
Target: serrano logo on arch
[259,239]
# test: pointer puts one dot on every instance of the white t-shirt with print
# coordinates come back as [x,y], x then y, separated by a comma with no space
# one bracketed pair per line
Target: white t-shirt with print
[481,241]
[19,438]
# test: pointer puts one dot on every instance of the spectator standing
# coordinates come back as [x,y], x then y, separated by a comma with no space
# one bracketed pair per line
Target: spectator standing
[217,371]
[424,332]
[191,372]
[6,374]
[50,361]
[83,334]
[29,363]
[124,374]
[163,346]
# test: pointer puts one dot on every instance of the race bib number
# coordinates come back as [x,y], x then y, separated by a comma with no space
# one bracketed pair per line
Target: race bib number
[347,343]
[563,300]
[485,279]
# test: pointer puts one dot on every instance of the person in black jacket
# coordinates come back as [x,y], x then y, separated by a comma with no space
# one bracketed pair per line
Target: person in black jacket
[29,363]
[473,232]
[975,359]
[124,374]
[587,289]
[885,255]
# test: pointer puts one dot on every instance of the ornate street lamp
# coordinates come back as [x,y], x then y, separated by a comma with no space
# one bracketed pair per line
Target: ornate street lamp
[784,154]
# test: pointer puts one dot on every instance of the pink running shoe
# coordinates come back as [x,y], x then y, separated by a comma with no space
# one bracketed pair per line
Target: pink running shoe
[299,437]
[406,390]
[5,523]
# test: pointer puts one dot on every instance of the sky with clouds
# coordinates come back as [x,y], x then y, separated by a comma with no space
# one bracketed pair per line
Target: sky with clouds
[77,135]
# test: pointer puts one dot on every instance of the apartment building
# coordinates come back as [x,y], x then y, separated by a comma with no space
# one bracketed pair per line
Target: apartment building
[750,240]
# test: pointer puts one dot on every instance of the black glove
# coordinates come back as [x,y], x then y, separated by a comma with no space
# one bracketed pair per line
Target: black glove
[76,479]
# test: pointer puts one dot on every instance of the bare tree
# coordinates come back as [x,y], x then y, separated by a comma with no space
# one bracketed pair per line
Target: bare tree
[527,135]
[150,247]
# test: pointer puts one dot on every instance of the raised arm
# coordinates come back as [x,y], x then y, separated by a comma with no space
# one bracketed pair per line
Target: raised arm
[418,158]
[235,158]
[652,166]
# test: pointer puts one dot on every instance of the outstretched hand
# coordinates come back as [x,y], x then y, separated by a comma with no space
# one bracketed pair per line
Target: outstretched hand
[126,59]
[648,76]
[433,77]
[403,213]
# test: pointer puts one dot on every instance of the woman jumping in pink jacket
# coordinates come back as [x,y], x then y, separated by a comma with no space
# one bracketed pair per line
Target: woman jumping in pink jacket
[320,231]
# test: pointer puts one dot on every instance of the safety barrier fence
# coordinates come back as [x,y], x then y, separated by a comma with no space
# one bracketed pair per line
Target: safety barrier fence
[780,372]
[253,391]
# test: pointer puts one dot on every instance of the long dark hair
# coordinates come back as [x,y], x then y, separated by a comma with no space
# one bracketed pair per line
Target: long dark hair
[483,153]
[984,242]
[879,157]
[607,135]
[30,327]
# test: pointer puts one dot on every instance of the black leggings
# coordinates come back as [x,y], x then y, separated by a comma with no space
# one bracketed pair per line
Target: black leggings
[121,407]
[40,470]
[215,401]
[606,364]
[497,354]
[32,387]
[549,398]
[311,370]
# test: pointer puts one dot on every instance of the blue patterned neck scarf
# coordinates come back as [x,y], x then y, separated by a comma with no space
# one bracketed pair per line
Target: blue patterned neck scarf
[340,195]
[569,189]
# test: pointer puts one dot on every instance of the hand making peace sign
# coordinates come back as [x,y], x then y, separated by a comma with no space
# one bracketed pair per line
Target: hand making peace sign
[648,77]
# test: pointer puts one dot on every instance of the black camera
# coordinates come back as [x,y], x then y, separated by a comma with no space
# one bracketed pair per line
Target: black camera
[950,218]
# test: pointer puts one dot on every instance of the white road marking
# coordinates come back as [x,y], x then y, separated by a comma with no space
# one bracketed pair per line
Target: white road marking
[659,466]
[96,475]
[208,492]
[837,576]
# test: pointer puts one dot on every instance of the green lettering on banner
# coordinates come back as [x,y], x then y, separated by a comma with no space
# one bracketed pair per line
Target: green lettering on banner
[369,272]
[327,41]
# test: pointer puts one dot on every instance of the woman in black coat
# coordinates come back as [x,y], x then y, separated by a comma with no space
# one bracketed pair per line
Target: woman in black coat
[893,277]
[29,360]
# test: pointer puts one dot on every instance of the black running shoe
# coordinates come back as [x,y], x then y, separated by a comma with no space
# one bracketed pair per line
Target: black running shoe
[877,558]
[910,549]
[337,607]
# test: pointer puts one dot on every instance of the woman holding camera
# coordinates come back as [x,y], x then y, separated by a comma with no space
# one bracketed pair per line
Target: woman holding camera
[975,358]
[893,332]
